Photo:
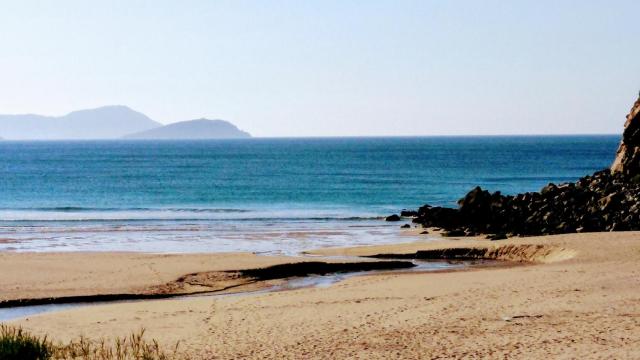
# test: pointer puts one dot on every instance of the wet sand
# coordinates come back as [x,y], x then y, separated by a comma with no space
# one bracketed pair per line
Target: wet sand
[577,297]
[39,275]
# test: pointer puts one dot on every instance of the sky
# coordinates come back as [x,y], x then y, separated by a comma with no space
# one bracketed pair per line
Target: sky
[330,68]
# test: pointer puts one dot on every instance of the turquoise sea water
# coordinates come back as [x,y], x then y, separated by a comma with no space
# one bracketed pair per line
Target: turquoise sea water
[263,195]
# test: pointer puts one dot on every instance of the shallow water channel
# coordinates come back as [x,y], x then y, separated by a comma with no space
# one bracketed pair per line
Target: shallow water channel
[292,283]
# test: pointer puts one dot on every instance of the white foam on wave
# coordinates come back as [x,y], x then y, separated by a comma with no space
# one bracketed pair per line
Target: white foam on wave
[263,237]
[265,229]
[181,214]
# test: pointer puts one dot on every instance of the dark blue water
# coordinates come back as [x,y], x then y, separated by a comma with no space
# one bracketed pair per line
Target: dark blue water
[207,188]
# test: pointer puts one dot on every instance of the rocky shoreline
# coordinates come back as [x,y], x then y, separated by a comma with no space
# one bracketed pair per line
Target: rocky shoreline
[608,200]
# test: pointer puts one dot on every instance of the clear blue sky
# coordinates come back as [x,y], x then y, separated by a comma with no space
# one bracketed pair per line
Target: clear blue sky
[318,68]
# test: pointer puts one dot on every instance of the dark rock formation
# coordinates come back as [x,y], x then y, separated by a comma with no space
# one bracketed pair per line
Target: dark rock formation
[408,213]
[628,156]
[604,201]
[454,232]
[608,200]
[393,217]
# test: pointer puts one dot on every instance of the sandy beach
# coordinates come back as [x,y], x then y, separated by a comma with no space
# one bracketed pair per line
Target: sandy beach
[319,180]
[571,296]
[77,274]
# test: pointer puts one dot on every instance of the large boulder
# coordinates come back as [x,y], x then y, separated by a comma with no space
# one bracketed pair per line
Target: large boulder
[393,217]
[627,160]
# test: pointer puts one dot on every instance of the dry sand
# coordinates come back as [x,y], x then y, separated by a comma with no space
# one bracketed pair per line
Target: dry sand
[580,298]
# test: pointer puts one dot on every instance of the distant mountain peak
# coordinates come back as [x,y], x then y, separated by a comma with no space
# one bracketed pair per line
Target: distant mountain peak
[111,122]
[107,108]
[107,122]
[193,129]
[109,111]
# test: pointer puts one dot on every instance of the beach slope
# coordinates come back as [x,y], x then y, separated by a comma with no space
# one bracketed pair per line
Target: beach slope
[576,297]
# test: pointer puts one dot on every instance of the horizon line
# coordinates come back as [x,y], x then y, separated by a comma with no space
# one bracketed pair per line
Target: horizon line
[321,137]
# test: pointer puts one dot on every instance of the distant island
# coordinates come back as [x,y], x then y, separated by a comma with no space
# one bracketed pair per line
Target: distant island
[193,129]
[111,122]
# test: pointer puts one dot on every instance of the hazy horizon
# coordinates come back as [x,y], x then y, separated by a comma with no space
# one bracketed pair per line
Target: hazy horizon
[98,130]
[317,69]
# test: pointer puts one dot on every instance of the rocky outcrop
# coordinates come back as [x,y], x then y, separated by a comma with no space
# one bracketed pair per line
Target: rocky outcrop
[608,200]
[393,217]
[604,201]
[627,160]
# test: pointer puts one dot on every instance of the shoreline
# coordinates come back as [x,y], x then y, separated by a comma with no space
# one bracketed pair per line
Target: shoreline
[218,274]
[555,305]
[98,273]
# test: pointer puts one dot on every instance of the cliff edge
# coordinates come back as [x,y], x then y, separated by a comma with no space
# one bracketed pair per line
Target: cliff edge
[627,160]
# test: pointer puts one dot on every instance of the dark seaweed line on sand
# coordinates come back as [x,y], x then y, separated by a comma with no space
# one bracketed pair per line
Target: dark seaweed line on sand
[439,254]
[76,299]
[281,271]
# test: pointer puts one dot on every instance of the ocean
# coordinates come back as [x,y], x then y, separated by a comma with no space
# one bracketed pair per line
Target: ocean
[271,196]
